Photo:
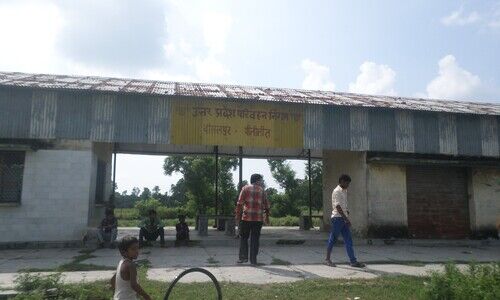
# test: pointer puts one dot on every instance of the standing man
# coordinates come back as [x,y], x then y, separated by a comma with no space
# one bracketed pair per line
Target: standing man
[340,223]
[252,210]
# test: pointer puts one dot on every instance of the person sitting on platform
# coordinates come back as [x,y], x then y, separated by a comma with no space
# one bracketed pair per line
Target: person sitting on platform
[182,236]
[151,229]
[108,230]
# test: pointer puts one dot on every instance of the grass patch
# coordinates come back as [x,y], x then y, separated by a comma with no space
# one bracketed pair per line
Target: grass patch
[478,282]
[280,262]
[381,288]
[75,265]
[86,251]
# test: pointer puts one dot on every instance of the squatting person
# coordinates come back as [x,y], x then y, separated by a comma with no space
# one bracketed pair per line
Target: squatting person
[151,229]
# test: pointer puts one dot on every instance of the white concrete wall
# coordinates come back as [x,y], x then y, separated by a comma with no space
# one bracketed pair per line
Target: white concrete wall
[387,195]
[55,198]
[354,164]
[484,204]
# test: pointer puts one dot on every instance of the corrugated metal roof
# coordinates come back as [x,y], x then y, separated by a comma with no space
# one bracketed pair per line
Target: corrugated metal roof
[235,92]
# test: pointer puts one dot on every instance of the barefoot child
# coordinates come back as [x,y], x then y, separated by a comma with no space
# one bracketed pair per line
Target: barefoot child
[124,282]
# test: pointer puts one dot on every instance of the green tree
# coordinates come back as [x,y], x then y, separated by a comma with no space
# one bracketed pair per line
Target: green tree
[228,195]
[136,191]
[283,173]
[178,195]
[316,184]
[296,191]
[146,194]
[199,178]
[289,202]
[156,192]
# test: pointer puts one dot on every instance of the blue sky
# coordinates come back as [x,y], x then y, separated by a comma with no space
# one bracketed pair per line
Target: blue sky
[436,49]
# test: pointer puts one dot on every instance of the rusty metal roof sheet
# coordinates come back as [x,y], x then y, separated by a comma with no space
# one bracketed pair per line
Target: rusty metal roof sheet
[236,92]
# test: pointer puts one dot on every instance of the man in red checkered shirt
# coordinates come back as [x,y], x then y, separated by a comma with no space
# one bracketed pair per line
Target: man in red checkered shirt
[252,210]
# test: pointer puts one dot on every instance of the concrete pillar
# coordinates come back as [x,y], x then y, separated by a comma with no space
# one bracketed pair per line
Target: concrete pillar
[484,201]
[230,229]
[352,163]
[103,152]
[203,225]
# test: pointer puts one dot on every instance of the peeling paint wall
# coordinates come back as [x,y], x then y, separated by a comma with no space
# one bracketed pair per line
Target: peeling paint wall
[484,193]
[336,163]
[103,152]
[387,195]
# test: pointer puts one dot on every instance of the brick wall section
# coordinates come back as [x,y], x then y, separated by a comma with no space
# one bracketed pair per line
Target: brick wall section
[437,202]
[55,198]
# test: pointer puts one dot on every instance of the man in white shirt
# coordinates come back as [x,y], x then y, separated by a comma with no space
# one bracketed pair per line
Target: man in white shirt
[340,223]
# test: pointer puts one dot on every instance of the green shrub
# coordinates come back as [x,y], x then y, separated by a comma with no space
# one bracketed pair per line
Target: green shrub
[127,213]
[144,206]
[477,282]
[27,282]
[283,205]
[284,221]
[167,222]
[128,223]
[317,222]
[170,212]
[37,287]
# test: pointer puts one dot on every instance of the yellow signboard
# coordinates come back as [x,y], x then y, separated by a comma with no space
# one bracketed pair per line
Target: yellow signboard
[236,124]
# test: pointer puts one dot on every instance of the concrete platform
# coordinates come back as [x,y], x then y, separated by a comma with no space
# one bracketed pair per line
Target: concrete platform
[280,263]
[274,236]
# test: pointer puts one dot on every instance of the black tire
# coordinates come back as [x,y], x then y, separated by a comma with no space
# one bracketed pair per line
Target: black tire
[192,270]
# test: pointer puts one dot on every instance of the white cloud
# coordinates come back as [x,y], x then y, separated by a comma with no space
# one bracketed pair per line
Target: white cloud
[317,76]
[495,18]
[162,75]
[452,81]
[28,33]
[210,69]
[494,24]
[197,40]
[216,28]
[458,17]
[374,79]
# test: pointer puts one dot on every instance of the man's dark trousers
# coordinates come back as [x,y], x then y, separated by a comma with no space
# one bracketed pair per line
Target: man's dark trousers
[250,229]
[151,235]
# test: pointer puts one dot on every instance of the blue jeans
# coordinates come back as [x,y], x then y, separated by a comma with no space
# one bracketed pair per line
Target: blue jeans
[340,227]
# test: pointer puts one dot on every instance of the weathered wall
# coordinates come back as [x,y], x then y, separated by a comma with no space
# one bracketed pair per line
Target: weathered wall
[104,152]
[336,163]
[137,118]
[55,197]
[484,204]
[387,195]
